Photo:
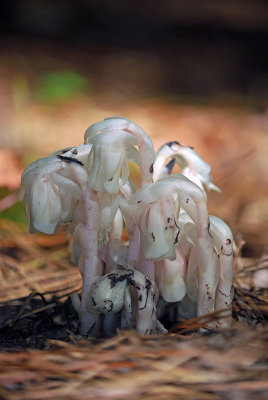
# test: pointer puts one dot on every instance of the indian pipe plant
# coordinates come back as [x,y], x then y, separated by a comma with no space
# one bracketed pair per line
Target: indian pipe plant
[178,260]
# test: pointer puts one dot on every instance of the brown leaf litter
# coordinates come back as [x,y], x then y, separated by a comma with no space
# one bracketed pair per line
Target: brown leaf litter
[36,313]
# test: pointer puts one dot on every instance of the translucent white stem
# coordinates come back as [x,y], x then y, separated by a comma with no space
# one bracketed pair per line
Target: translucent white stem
[146,266]
[208,276]
[134,246]
[88,237]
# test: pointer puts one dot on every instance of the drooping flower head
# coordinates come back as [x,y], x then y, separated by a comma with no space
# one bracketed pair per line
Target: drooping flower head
[193,167]
[50,192]
[157,206]
[113,145]
[108,160]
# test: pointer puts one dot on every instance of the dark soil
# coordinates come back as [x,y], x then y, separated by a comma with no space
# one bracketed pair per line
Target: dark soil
[29,322]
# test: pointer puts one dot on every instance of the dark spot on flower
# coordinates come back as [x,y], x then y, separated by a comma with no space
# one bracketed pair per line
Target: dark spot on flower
[209,230]
[64,151]
[91,328]
[70,159]
[151,170]
[139,201]
[228,241]
[110,179]
[75,151]
[187,201]
[153,237]
[176,241]
[115,278]
[225,295]
[169,144]
[140,297]
[110,303]
[148,283]
[104,267]
[93,301]
[168,220]
[170,165]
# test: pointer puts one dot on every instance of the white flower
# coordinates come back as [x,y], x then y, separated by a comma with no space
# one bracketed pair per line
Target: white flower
[109,293]
[79,153]
[170,277]
[157,209]
[194,168]
[113,146]
[49,192]
[108,160]
[158,223]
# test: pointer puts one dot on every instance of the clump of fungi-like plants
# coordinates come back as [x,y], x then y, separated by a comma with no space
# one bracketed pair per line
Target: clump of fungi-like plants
[178,260]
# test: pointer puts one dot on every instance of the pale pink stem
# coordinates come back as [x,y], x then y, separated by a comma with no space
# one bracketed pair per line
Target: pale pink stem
[207,260]
[131,227]
[134,240]
[89,322]
[88,234]
[208,278]
[147,265]
[223,241]
[180,255]
[224,292]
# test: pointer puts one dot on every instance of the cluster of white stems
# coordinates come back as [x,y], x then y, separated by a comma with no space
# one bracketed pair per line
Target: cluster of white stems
[178,260]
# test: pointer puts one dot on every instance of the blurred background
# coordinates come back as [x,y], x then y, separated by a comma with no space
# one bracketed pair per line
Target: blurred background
[192,71]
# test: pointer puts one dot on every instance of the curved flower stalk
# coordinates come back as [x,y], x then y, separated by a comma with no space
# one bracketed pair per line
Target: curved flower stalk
[89,263]
[55,189]
[193,167]
[223,240]
[223,247]
[141,218]
[191,198]
[168,194]
[139,138]
[110,294]
[199,172]
[114,141]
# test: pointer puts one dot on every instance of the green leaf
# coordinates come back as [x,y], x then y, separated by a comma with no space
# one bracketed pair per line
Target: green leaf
[62,85]
[15,213]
